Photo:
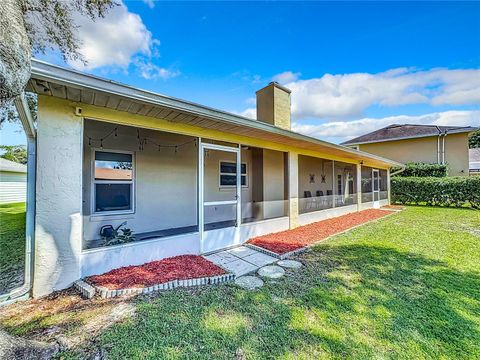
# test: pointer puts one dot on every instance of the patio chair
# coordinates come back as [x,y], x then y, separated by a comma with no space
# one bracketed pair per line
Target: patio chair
[307,194]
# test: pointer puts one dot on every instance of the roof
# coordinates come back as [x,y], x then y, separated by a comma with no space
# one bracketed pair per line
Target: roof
[406,131]
[56,81]
[11,166]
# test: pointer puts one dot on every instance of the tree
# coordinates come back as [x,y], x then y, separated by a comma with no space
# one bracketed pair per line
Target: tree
[16,153]
[8,113]
[474,140]
[38,25]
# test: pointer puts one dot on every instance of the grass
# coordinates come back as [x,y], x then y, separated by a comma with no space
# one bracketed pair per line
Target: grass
[403,287]
[12,245]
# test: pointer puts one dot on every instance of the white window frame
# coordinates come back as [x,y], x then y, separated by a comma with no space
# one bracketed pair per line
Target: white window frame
[94,181]
[232,174]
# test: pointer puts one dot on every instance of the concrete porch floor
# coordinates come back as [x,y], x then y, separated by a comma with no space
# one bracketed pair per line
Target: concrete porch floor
[240,260]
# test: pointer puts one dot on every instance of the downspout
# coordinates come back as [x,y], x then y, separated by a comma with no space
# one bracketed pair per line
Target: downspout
[438,144]
[23,292]
[443,147]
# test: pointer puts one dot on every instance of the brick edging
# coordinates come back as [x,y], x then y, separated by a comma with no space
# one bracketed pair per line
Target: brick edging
[106,293]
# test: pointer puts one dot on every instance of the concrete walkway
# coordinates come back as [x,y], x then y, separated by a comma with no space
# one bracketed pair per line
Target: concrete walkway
[240,260]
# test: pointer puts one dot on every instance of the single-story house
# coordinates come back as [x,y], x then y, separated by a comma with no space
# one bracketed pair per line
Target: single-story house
[474,155]
[13,181]
[419,143]
[186,178]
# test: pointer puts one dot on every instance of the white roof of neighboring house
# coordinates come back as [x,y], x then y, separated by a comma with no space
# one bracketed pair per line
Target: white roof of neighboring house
[51,80]
[474,157]
[11,166]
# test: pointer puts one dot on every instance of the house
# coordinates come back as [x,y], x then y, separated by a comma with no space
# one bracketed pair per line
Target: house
[419,143]
[474,155]
[13,181]
[186,178]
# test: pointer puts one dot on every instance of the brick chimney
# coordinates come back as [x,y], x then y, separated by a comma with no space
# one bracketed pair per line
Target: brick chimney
[273,105]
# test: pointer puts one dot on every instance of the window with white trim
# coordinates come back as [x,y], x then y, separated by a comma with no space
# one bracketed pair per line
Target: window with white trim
[113,182]
[228,174]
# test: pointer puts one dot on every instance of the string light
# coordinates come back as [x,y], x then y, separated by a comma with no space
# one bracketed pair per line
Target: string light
[141,141]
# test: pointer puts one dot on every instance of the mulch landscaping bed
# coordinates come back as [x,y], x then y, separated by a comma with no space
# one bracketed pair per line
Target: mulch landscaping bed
[157,272]
[291,240]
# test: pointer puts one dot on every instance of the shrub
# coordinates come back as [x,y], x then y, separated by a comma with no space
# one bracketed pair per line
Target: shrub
[449,191]
[424,170]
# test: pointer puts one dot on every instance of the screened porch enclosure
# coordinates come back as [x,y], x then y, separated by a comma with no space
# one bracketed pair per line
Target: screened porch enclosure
[325,184]
[144,179]
[161,184]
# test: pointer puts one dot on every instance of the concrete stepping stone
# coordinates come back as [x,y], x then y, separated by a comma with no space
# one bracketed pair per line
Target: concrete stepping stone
[271,271]
[249,282]
[290,264]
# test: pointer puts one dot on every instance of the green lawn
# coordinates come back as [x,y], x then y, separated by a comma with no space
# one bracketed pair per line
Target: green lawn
[403,287]
[12,245]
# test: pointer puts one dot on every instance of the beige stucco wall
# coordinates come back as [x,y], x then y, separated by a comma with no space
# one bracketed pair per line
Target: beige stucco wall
[456,154]
[425,149]
[404,151]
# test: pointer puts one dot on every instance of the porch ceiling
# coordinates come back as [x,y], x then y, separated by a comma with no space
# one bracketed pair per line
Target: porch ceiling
[75,86]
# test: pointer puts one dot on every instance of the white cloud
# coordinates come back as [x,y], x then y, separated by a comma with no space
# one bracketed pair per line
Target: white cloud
[286,77]
[149,3]
[345,130]
[249,113]
[113,40]
[150,71]
[348,95]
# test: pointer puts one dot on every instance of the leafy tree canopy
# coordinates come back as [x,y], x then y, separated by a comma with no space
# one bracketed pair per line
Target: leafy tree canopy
[16,153]
[474,140]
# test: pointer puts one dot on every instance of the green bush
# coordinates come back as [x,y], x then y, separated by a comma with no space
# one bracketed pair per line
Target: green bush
[424,170]
[448,191]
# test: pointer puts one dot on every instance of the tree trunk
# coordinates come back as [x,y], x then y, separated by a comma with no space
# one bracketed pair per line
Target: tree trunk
[15,50]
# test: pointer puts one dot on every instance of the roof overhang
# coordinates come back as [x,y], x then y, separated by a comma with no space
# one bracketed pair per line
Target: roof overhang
[52,80]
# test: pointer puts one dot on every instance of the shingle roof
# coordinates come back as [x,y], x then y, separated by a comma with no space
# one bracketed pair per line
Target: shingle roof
[10,166]
[403,131]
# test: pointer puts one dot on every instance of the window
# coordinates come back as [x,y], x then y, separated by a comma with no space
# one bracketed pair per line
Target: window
[339,184]
[113,182]
[228,174]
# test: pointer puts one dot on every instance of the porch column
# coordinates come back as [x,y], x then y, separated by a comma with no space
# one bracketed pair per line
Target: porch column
[359,187]
[293,189]
[388,186]
[58,225]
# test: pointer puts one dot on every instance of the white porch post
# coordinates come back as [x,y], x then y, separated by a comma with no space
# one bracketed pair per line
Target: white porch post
[334,187]
[388,186]
[359,187]
[293,189]
[200,192]
[58,235]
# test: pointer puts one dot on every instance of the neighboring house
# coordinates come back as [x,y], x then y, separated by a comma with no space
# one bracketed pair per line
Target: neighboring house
[419,143]
[13,181]
[474,155]
[187,179]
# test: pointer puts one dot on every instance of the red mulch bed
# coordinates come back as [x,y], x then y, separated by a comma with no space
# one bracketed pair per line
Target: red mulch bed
[157,272]
[290,240]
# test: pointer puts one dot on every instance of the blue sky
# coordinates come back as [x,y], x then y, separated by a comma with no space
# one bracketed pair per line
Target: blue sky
[352,67]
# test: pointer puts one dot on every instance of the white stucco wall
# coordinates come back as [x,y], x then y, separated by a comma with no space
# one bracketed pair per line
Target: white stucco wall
[58,232]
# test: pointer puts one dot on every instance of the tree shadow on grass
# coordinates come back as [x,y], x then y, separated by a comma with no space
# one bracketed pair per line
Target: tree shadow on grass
[347,301]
